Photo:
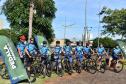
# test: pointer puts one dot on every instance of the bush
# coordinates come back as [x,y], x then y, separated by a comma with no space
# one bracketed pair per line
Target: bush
[10,34]
[106,41]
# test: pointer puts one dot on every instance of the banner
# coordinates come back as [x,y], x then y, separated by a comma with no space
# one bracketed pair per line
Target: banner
[39,40]
[122,45]
[15,68]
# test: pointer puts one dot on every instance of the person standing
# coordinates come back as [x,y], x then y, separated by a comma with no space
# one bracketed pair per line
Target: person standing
[21,47]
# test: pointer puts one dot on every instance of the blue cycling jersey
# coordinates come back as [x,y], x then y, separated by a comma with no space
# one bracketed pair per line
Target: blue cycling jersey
[116,51]
[87,50]
[31,48]
[57,50]
[67,49]
[44,50]
[100,50]
[79,50]
[21,46]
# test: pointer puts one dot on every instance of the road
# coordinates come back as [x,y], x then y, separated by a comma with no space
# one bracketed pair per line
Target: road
[108,77]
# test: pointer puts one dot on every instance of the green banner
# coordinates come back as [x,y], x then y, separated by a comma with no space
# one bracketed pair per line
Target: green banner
[122,45]
[39,40]
[15,68]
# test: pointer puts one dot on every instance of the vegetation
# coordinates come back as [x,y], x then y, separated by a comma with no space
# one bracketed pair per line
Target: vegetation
[106,41]
[10,34]
[17,13]
[115,22]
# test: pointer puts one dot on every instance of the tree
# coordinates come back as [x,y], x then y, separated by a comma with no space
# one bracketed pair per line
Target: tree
[115,22]
[106,41]
[20,15]
[10,34]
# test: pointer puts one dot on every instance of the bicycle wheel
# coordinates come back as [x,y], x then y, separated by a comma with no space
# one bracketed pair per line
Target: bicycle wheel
[43,70]
[5,74]
[69,68]
[31,74]
[118,67]
[3,71]
[74,64]
[59,69]
[49,69]
[103,67]
[78,67]
[84,67]
[92,66]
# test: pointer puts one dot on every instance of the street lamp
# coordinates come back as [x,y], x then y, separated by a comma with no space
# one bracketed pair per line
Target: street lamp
[99,15]
[65,27]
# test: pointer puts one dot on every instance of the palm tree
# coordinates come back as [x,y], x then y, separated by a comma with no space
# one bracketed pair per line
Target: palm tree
[33,4]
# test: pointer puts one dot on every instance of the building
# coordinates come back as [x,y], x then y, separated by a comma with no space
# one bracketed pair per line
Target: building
[54,42]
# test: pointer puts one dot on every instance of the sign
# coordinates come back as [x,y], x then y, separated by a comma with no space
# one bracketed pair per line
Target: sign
[15,67]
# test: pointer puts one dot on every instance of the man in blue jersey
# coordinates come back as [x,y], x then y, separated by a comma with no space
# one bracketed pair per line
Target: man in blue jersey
[31,51]
[44,51]
[67,49]
[57,54]
[87,51]
[116,54]
[101,54]
[79,52]
[21,47]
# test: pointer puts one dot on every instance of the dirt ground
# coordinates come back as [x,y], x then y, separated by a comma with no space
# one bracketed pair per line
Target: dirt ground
[108,77]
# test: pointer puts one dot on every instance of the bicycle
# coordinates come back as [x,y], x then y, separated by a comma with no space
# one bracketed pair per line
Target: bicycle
[31,69]
[89,64]
[117,65]
[67,65]
[78,66]
[102,66]
[3,71]
[45,66]
[58,65]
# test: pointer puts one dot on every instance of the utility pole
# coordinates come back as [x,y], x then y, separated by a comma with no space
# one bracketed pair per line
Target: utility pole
[99,30]
[65,27]
[85,28]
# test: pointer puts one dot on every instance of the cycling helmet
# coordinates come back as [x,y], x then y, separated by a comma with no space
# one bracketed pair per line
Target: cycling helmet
[44,42]
[57,42]
[87,44]
[77,43]
[22,37]
[68,42]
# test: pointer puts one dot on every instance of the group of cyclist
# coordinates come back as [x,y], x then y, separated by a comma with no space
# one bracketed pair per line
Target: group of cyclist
[29,50]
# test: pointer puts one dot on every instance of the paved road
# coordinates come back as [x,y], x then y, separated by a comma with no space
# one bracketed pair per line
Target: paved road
[108,77]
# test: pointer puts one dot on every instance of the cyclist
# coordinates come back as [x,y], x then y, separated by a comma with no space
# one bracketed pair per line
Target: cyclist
[100,53]
[31,51]
[21,47]
[44,51]
[79,52]
[87,51]
[57,54]
[67,49]
[116,53]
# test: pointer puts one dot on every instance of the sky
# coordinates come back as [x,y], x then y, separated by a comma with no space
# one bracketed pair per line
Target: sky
[74,12]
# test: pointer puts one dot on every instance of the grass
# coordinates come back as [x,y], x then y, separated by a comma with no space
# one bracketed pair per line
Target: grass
[39,80]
